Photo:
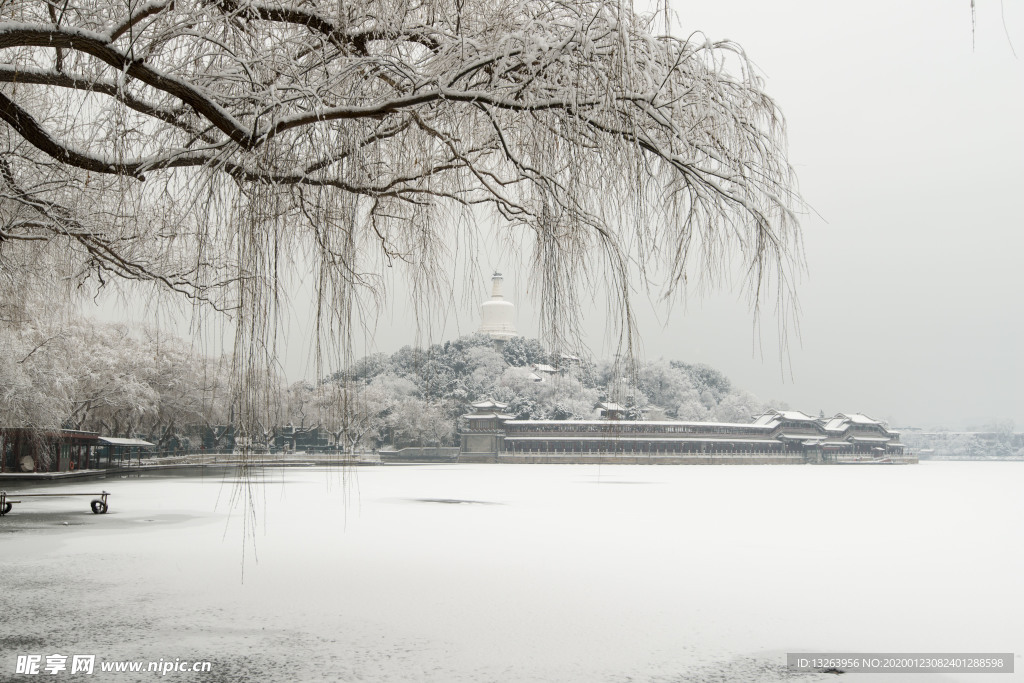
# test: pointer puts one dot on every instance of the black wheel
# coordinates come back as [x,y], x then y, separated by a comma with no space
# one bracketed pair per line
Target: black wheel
[6,508]
[98,507]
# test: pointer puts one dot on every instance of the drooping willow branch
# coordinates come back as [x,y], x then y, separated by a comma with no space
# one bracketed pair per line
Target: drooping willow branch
[237,140]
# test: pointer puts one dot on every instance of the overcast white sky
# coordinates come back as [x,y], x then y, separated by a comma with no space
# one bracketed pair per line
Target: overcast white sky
[909,146]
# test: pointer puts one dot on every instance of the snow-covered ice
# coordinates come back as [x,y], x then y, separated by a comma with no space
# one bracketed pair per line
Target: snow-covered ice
[521,573]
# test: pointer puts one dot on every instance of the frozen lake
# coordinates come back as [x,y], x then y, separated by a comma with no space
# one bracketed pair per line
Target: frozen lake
[521,572]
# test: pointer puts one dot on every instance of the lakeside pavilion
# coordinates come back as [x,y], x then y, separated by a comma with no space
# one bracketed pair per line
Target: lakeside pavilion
[63,450]
[783,436]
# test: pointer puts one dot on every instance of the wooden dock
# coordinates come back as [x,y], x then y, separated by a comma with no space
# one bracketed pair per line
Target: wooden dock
[99,506]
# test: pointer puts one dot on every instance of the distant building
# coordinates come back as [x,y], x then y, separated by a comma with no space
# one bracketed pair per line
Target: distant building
[486,428]
[292,438]
[775,436]
[541,372]
[217,437]
[497,314]
[26,450]
[610,411]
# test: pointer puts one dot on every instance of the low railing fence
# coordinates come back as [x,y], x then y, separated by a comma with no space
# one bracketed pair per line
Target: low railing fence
[777,455]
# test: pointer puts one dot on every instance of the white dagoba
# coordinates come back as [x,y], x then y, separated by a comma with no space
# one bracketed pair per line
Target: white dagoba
[497,313]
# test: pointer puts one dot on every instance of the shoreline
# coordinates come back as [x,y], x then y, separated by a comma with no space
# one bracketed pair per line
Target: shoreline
[163,467]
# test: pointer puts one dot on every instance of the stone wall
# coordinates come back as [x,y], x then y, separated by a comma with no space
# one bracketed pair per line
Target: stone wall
[425,454]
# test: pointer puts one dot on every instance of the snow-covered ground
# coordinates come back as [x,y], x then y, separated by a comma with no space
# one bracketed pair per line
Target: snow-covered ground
[520,572]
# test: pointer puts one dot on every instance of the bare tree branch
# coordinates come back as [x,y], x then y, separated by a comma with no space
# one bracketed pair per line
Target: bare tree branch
[213,146]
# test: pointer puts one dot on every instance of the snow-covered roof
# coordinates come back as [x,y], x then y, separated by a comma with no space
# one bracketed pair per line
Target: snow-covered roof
[774,416]
[488,403]
[116,441]
[542,367]
[795,415]
[837,424]
[860,419]
[489,416]
[610,406]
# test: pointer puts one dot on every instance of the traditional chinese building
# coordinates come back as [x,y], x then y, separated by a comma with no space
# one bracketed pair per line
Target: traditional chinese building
[486,428]
[63,450]
[773,437]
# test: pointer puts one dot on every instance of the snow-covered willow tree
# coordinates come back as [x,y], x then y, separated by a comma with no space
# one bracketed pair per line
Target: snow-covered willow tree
[213,147]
